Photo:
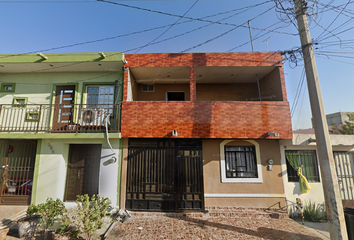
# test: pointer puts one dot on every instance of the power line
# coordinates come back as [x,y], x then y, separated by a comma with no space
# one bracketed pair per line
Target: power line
[297,93]
[167,28]
[190,18]
[325,29]
[73,1]
[141,31]
[188,49]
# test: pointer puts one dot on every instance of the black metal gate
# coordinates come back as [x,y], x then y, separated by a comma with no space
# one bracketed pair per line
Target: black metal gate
[17,158]
[165,175]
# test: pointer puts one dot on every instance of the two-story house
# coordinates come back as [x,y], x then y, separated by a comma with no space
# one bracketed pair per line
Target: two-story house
[202,130]
[59,126]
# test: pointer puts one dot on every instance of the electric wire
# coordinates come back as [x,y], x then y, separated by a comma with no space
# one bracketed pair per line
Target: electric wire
[326,29]
[188,49]
[243,9]
[297,93]
[167,28]
[190,18]
[334,35]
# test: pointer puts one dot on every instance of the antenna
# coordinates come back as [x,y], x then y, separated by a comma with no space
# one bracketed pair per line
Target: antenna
[249,26]
[266,40]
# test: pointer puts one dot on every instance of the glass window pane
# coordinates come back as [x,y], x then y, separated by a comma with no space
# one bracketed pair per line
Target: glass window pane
[240,162]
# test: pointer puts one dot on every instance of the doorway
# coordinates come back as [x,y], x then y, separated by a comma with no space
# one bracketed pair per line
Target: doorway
[83,170]
[17,160]
[64,107]
[165,175]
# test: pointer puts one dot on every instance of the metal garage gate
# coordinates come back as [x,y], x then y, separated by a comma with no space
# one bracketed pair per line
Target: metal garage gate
[165,175]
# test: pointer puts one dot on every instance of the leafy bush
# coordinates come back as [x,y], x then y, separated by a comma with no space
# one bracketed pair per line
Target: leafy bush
[85,219]
[48,212]
[315,212]
[88,216]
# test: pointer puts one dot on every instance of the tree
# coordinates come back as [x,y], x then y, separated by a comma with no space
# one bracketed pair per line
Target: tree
[347,128]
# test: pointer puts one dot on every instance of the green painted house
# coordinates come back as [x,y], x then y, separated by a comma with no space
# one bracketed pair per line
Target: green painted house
[60,126]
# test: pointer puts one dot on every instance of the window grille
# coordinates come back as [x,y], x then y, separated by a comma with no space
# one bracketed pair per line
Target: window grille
[240,162]
[308,160]
[148,88]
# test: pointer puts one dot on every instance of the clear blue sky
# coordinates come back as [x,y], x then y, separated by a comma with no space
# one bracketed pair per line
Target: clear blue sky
[33,26]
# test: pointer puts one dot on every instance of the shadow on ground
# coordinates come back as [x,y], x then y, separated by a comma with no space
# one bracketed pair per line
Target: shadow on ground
[262,232]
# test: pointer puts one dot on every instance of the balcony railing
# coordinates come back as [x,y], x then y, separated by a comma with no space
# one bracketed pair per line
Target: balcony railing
[69,118]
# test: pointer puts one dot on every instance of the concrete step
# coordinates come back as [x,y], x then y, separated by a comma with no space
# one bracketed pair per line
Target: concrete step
[217,212]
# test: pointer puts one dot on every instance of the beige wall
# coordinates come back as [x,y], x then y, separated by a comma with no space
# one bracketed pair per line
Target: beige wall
[270,86]
[270,192]
[292,191]
[160,92]
[226,92]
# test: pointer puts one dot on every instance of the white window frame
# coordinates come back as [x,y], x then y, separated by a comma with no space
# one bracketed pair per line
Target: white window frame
[224,179]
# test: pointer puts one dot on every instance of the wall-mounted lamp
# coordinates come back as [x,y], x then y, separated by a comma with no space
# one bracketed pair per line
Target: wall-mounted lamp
[102,54]
[174,133]
[311,140]
[42,55]
[112,160]
[270,164]
[273,134]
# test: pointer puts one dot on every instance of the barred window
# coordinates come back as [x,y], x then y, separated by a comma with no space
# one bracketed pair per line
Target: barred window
[240,162]
[305,158]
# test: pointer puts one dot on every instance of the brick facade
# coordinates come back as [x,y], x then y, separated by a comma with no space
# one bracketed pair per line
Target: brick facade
[193,119]
[243,120]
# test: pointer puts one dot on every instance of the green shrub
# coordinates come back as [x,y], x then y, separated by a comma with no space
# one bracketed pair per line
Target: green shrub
[88,216]
[315,212]
[48,212]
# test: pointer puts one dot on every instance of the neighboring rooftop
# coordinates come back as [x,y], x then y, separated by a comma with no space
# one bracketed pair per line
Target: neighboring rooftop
[61,62]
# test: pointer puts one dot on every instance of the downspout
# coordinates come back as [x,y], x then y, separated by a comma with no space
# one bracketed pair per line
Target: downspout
[259,89]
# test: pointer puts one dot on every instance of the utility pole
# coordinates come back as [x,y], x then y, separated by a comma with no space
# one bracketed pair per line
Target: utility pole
[333,200]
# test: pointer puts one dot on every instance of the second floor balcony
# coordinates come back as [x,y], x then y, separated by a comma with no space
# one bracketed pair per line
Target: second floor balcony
[59,118]
[205,95]
[206,119]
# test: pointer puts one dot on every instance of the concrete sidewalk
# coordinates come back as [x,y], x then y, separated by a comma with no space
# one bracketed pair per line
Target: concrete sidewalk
[11,213]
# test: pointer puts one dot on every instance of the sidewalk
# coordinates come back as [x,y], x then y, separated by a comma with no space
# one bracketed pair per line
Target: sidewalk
[11,213]
[217,224]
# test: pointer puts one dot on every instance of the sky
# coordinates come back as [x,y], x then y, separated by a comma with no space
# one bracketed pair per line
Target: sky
[174,26]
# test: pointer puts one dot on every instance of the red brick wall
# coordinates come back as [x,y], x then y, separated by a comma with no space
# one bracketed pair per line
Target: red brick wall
[243,120]
[203,59]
